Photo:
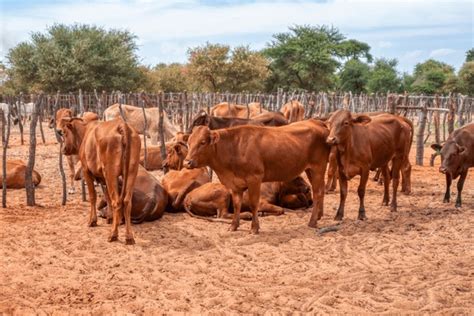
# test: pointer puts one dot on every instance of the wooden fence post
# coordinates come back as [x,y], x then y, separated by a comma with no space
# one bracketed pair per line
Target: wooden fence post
[4,155]
[144,134]
[30,187]
[451,113]
[60,161]
[420,134]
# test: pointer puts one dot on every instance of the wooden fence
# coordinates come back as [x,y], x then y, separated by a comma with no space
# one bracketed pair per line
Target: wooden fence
[433,116]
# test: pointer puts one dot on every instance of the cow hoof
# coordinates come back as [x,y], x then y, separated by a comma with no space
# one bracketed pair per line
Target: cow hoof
[313,224]
[130,241]
[458,205]
[393,209]
[113,238]
[254,231]
[93,224]
[338,218]
[362,217]
[233,228]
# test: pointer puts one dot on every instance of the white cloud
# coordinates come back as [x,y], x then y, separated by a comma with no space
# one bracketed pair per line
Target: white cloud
[441,52]
[414,54]
[384,44]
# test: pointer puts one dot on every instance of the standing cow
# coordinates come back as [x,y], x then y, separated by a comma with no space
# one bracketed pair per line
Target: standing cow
[108,151]
[457,156]
[365,144]
[245,156]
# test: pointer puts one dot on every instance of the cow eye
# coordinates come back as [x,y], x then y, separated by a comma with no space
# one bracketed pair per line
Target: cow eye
[346,123]
[203,142]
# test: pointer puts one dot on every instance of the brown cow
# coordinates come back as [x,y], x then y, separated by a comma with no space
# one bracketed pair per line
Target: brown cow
[236,110]
[405,169]
[293,111]
[16,171]
[107,151]
[149,199]
[213,199]
[364,144]
[457,156]
[71,160]
[134,116]
[178,183]
[245,156]
[175,153]
[218,122]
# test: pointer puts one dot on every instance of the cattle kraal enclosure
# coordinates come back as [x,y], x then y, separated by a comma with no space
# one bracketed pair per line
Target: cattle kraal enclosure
[418,259]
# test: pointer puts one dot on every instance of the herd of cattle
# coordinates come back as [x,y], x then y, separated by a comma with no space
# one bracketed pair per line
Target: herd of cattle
[258,156]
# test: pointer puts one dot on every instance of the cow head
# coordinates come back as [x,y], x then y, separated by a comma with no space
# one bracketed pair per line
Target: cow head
[452,157]
[175,154]
[72,131]
[202,118]
[295,186]
[340,125]
[200,144]
[57,118]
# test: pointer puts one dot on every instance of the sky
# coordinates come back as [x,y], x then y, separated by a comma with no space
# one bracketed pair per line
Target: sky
[410,30]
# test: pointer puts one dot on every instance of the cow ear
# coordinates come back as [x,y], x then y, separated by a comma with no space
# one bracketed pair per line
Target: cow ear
[436,147]
[362,119]
[461,149]
[177,148]
[214,138]
[185,137]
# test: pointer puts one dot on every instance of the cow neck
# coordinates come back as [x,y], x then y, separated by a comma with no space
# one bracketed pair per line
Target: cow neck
[215,161]
[79,132]
[346,151]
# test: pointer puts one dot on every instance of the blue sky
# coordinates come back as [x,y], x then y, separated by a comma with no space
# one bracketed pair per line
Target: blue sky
[409,30]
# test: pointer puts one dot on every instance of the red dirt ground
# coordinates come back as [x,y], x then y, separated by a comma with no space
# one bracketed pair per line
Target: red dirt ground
[418,260]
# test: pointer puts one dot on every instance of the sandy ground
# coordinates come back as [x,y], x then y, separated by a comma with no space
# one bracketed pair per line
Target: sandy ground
[419,260]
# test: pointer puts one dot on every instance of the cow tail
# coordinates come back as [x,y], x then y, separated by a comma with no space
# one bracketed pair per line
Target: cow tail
[124,130]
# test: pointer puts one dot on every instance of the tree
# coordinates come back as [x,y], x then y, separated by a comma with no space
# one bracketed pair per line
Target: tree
[167,78]
[383,76]
[466,76]
[307,57]
[470,55]
[354,76]
[406,82]
[75,57]
[431,77]
[219,68]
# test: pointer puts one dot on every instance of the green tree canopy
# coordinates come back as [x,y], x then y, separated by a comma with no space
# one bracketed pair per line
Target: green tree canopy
[75,57]
[307,57]
[470,55]
[384,77]
[466,76]
[354,76]
[167,78]
[219,68]
[431,77]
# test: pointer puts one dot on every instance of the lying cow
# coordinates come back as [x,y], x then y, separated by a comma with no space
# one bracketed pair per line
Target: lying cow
[245,156]
[217,122]
[134,116]
[16,171]
[235,110]
[175,154]
[149,199]
[178,183]
[365,144]
[457,156]
[213,199]
[293,111]
[107,151]
[72,159]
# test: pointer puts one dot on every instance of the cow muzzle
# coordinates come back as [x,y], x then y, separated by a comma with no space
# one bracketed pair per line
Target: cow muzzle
[331,140]
[189,164]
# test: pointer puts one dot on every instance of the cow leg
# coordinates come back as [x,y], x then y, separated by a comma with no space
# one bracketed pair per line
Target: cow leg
[332,174]
[364,177]
[254,199]
[317,184]
[396,164]
[270,209]
[343,196]
[377,175]
[447,195]
[460,186]
[386,185]
[406,178]
[93,198]
[237,201]
[70,163]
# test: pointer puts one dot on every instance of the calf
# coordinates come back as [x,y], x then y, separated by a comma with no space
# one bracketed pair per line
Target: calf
[107,151]
[364,144]
[457,156]
[245,156]
[16,170]
[149,199]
